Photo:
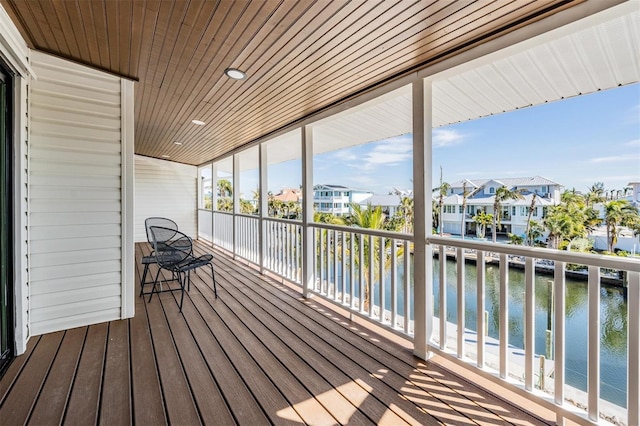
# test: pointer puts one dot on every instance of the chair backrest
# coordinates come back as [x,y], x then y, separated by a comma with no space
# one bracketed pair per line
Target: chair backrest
[161,222]
[170,246]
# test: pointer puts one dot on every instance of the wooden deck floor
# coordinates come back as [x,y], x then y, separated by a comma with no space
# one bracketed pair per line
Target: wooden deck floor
[259,354]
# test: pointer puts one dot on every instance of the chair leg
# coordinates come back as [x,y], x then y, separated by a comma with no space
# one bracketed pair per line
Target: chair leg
[144,278]
[155,282]
[187,276]
[213,278]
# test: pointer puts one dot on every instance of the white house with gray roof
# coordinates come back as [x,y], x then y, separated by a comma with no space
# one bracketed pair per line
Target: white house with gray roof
[335,199]
[481,196]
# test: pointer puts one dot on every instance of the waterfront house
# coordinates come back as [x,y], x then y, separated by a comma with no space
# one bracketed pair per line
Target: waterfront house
[480,197]
[107,103]
[336,199]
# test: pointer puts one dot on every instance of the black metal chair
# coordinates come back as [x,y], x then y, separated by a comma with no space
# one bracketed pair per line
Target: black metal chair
[151,259]
[174,253]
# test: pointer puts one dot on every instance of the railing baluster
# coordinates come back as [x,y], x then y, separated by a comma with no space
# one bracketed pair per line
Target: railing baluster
[529,322]
[504,316]
[371,272]
[361,272]
[336,235]
[352,261]
[559,331]
[480,320]
[460,300]
[381,285]
[593,343]
[407,287]
[442,258]
[343,264]
[394,284]
[633,331]
[322,233]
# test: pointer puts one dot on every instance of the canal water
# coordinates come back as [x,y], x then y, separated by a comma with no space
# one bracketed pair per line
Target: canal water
[613,319]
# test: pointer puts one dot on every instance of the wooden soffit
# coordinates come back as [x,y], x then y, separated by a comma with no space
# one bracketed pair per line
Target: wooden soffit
[300,56]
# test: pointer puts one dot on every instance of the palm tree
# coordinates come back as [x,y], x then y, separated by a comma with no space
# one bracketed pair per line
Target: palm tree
[406,210]
[565,222]
[532,206]
[370,218]
[595,194]
[225,189]
[443,190]
[502,194]
[536,230]
[482,219]
[619,213]
[465,195]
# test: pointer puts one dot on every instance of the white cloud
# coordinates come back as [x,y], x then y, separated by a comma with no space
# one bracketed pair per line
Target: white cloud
[447,137]
[614,159]
[388,153]
[633,144]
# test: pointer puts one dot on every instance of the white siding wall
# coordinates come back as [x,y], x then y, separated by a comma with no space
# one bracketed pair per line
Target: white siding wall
[75,196]
[165,189]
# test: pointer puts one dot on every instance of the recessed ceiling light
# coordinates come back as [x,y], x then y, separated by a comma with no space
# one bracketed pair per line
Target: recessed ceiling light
[177,143]
[235,73]
[198,122]
[165,156]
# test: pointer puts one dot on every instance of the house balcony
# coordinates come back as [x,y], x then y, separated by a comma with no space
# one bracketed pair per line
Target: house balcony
[259,354]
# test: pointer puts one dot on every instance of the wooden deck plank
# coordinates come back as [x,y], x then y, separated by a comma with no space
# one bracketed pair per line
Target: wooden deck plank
[147,393]
[364,391]
[52,402]
[243,405]
[265,392]
[177,394]
[291,373]
[17,406]
[115,403]
[13,372]
[84,401]
[209,399]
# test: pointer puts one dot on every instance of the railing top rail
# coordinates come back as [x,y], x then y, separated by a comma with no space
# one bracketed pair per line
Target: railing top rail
[282,220]
[365,231]
[248,216]
[223,212]
[602,261]
[200,209]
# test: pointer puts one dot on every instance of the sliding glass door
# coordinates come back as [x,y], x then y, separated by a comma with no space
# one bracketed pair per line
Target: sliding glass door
[6,239]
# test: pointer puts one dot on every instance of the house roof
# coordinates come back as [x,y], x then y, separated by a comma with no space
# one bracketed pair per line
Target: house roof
[300,57]
[509,182]
[381,200]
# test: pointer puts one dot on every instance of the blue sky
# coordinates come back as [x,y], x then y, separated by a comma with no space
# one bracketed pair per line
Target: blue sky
[575,142]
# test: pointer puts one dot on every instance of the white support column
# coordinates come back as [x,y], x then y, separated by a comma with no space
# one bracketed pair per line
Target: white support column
[307,211]
[236,201]
[264,203]
[423,282]
[126,200]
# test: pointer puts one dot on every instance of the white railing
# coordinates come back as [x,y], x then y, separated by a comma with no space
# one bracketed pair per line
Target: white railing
[366,272]
[205,224]
[283,248]
[247,243]
[492,359]
[223,230]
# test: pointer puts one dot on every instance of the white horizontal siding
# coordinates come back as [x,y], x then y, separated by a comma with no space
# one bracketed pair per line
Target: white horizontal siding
[75,187]
[164,189]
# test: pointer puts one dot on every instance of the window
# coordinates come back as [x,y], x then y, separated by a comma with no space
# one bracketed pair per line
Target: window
[460,211]
[513,210]
[535,212]
[492,190]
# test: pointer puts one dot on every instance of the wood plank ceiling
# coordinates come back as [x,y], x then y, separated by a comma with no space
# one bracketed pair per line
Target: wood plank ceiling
[300,56]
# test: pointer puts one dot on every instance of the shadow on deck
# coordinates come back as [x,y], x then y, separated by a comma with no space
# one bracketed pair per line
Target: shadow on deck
[259,354]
